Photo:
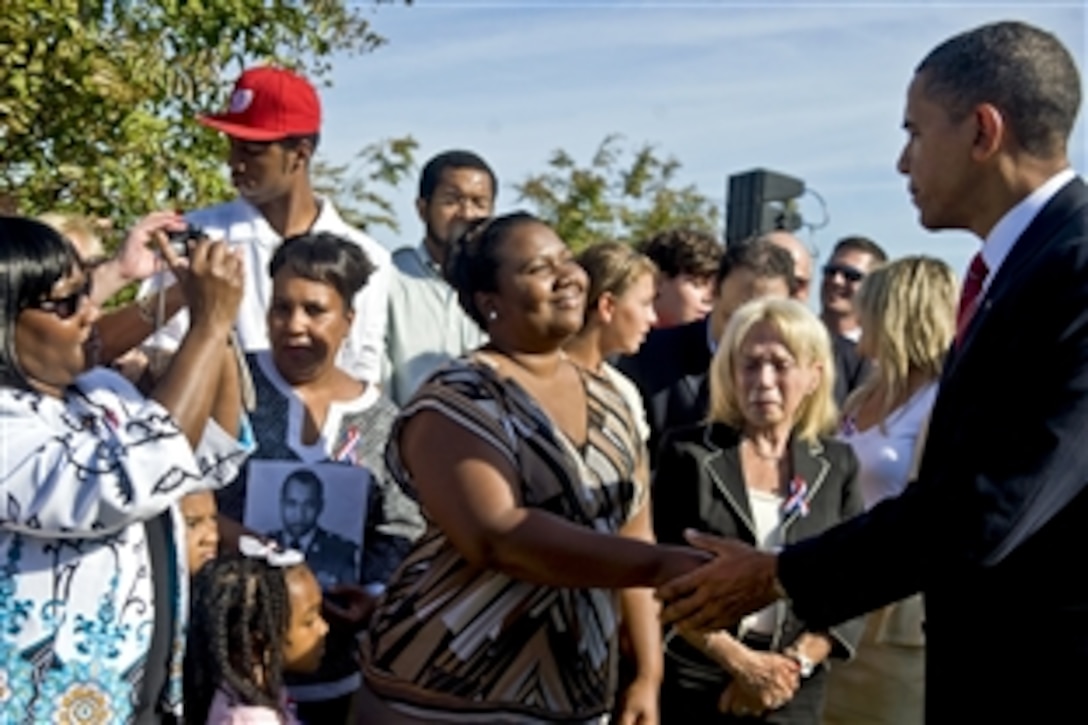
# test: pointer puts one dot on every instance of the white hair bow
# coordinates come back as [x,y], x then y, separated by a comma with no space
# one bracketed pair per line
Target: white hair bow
[269,552]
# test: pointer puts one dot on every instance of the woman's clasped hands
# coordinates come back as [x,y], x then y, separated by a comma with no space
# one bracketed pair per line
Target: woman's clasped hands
[761,681]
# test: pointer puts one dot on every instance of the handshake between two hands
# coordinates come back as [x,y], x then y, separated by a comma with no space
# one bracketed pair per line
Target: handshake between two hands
[736,581]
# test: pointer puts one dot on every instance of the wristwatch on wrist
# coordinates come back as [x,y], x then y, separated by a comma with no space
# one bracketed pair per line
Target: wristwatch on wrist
[807,664]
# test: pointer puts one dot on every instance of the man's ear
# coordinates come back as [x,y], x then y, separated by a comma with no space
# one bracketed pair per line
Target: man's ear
[304,153]
[421,209]
[991,131]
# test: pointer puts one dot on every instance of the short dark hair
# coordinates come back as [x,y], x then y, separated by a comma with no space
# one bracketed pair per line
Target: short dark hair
[327,258]
[683,251]
[456,159]
[307,478]
[857,243]
[472,263]
[33,258]
[760,257]
[1025,72]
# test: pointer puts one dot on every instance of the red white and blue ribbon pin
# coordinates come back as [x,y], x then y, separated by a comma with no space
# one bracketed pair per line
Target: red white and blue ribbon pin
[796,502]
[346,454]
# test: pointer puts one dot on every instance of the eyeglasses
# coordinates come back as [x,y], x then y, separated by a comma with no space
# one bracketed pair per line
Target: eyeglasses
[850,274]
[65,307]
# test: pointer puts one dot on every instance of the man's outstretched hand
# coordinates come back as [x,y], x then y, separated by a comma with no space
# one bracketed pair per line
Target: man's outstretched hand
[738,581]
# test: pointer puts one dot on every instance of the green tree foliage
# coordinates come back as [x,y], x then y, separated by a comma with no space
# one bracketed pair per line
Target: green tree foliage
[621,195]
[353,186]
[97,98]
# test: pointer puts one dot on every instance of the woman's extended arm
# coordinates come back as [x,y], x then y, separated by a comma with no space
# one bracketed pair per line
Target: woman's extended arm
[468,488]
[214,289]
[227,406]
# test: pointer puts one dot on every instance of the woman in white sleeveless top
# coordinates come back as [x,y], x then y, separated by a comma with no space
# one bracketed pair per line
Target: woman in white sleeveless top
[908,311]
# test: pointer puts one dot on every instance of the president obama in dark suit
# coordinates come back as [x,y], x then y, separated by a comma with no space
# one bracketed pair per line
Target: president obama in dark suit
[993,529]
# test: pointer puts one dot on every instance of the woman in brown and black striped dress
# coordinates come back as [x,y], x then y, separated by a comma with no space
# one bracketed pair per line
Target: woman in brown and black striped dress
[532,480]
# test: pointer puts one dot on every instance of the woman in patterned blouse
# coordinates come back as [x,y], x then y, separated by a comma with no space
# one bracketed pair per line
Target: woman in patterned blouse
[93,584]
[532,480]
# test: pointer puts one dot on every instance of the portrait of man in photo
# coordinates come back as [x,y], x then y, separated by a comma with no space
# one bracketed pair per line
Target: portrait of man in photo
[298,518]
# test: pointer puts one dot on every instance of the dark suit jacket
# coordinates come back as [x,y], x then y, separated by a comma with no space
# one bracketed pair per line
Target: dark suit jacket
[850,368]
[670,372]
[993,530]
[699,484]
[332,558]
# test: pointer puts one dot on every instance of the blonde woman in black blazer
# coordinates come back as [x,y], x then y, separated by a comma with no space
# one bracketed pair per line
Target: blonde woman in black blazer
[763,471]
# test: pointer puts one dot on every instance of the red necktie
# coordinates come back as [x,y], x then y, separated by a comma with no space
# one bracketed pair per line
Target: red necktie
[972,288]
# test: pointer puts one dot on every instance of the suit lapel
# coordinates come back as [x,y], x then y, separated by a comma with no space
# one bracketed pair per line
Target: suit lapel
[810,465]
[723,467]
[1027,247]
[808,460]
[697,387]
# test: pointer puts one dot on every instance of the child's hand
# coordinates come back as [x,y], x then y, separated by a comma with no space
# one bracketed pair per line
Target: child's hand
[348,605]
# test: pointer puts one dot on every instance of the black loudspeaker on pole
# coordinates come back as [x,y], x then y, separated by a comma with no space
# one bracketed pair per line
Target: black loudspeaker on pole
[760,201]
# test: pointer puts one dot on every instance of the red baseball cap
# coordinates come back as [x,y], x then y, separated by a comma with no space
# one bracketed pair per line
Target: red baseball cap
[268,104]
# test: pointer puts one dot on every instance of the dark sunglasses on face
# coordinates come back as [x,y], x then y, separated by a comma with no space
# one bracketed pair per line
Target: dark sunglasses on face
[850,274]
[65,307]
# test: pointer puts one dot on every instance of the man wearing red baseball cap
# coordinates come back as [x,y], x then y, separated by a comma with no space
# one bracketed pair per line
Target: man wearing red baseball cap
[273,121]
[269,104]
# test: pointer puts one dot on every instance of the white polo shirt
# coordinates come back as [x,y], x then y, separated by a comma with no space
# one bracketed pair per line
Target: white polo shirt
[243,227]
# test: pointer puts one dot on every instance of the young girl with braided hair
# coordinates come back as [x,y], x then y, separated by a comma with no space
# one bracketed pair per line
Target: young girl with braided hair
[254,617]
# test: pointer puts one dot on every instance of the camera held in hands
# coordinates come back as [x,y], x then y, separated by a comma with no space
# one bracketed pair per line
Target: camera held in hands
[179,240]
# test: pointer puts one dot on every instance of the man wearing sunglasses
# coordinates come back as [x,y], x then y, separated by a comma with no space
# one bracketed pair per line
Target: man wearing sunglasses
[851,259]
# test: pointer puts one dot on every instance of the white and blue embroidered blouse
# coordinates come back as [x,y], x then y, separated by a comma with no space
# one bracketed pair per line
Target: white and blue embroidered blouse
[79,477]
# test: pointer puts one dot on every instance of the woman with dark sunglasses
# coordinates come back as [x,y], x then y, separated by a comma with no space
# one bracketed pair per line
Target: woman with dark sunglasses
[92,559]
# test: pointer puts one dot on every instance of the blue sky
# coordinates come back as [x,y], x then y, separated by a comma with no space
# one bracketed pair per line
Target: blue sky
[811,89]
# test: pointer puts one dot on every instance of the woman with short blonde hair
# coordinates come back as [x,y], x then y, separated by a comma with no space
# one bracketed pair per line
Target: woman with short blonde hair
[805,336]
[761,470]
